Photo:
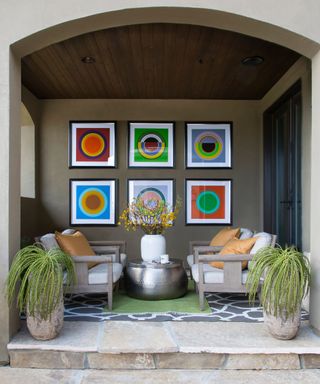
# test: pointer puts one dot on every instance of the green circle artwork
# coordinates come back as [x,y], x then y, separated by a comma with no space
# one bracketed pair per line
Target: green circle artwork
[151,145]
[208,202]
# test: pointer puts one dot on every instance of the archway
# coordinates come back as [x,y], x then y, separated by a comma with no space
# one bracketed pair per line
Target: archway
[67,22]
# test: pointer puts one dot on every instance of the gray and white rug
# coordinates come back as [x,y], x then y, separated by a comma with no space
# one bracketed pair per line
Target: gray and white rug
[225,307]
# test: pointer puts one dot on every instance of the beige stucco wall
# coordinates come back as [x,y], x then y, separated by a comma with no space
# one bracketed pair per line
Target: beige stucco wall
[34,24]
[55,175]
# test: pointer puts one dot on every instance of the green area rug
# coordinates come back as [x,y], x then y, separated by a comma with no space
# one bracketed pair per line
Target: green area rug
[186,304]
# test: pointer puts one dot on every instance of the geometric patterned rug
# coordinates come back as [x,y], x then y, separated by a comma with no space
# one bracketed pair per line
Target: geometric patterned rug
[224,307]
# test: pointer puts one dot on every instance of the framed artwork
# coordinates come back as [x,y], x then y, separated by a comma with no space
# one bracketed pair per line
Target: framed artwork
[151,145]
[208,145]
[93,202]
[208,201]
[91,144]
[153,189]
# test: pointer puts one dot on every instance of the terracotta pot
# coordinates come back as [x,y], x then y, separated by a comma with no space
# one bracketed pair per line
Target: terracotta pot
[46,329]
[281,328]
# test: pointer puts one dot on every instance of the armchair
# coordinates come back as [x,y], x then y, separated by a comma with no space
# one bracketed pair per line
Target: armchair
[229,279]
[245,233]
[103,277]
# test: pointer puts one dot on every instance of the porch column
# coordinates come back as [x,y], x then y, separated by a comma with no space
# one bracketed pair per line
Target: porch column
[10,89]
[315,196]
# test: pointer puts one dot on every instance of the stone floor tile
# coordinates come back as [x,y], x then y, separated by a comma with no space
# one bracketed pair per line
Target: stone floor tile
[39,376]
[189,360]
[263,361]
[120,361]
[310,361]
[47,359]
[168,376]
[76,336]
[239,338]
[133,337]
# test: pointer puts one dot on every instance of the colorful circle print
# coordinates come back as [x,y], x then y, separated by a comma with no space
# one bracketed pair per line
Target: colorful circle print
[208,202]
[150,197]
[208,145]
[93,202]
[93,144]
[151,146]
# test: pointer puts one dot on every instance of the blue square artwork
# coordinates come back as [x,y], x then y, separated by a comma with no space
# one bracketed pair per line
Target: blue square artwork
[93,202]
[208,146]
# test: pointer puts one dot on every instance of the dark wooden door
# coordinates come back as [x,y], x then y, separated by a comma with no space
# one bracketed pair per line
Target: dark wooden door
[282,168]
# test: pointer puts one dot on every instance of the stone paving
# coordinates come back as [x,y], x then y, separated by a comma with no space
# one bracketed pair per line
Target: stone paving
[168,345]
[67,376]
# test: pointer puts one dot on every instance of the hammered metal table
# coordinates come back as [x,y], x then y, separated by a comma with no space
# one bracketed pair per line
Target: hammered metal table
[155,281]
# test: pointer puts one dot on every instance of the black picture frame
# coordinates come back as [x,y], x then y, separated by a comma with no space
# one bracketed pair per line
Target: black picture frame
[148,182]
[113,222]
[208,125]
[73,163]
[203,181]
[151,165]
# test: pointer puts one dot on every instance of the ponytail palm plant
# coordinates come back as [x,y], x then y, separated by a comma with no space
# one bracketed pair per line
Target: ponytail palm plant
[285,273]
[39,276]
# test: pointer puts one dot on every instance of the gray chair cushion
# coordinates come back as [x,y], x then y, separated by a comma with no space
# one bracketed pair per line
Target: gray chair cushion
[99,273]
[213,275]
[245,233]
[264,240]
[123,259]
[49,241]
[190,260]
[69,231]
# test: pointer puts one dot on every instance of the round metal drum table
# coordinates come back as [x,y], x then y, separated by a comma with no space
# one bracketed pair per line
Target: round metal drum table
[155,281]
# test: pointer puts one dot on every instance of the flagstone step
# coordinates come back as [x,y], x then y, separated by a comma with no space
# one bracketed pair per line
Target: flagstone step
[30,376]
[169,345]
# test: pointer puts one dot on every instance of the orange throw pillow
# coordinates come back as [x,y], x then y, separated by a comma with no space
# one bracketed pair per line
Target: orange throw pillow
[236,247]
[225,235]
[75,244]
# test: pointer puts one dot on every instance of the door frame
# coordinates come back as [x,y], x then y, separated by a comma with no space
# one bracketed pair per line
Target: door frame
[269,209]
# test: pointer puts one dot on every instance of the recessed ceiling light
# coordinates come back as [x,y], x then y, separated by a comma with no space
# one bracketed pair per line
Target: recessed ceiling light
[252,60]
[88,59]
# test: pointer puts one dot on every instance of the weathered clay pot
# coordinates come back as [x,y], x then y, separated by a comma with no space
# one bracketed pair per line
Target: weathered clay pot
[46,329]
[281,328]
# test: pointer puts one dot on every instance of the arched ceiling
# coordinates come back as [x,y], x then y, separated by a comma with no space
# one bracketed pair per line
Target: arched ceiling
[156,61]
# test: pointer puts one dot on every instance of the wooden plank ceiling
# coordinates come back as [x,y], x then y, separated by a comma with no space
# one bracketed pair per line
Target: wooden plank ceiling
[156,61]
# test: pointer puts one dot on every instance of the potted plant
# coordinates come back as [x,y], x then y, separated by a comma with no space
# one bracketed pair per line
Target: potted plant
[153,217]
[37,277]
[284,277]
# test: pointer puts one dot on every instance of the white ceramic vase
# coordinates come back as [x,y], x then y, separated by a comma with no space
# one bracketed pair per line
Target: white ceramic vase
[152,246]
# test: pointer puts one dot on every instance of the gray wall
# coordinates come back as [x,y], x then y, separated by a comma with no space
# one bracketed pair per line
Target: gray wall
[30,168]
[54,174]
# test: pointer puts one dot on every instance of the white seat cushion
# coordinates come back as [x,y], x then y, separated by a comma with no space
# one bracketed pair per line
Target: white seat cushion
[99,273]
[213,275]
[190,260]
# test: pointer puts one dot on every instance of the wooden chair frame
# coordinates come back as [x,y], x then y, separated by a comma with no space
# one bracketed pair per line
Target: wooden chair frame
[232,270]
[104,253]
